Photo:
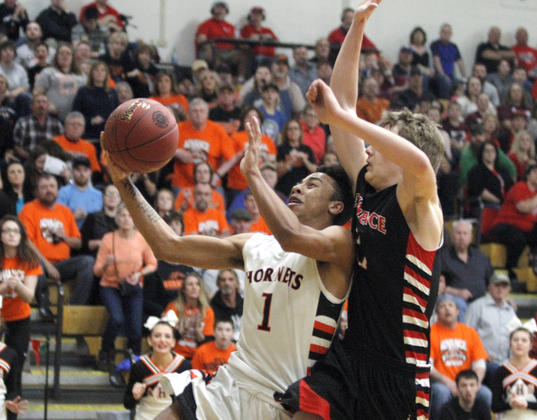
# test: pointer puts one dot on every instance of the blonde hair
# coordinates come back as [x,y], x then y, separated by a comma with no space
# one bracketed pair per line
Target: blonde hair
[516,148]
[180,302]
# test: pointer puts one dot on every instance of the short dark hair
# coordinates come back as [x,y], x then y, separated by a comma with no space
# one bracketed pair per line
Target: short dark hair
[342,191]
[228,320]
[466,374]
[8,44]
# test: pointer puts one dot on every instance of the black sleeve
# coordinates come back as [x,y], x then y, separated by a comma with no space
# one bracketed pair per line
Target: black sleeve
[186,365]
[10,356]
[475,182]
[86,231]
[498,401]
[447,412]
[137,374]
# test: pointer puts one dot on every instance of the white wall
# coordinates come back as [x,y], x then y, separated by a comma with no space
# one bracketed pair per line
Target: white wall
[305,21]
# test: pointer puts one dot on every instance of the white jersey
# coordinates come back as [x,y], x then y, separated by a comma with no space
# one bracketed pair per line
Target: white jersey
[289,318]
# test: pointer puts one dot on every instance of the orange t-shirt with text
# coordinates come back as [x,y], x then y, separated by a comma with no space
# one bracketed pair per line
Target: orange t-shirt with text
[13,307]
[208,357]
[212,144]
[455,350]
[187,345]
[211,222]
[186,198]
[172,100]
[81,147]
[40,222]
[235,179]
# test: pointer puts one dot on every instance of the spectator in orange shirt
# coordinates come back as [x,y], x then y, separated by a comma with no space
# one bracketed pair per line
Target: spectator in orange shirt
[166,92]
[196,317]
[370,107]
[203,173]
[258,224]
[211,355]
[73,142]
[200,140]
[52,228]
[19,268]
[202,219]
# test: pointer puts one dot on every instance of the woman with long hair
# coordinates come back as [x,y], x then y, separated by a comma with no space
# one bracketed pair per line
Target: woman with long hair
[420,55]
[522,153]
[209,88]
[514,392]
[96,100]
[19,265]
[123,259]
[16,185]
[61,82]
[295,160]
[167,94]
[196,317]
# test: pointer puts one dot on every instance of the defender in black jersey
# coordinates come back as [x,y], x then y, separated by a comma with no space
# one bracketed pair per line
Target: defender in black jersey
[381,369]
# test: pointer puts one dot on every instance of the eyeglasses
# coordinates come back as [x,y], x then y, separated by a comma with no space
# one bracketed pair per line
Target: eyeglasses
[14,231]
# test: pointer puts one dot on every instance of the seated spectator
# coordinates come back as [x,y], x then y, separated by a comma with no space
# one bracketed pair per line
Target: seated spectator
[258,223]
[199,140]
[303,73]
[520,75]
[203,174]
[220,52]
[13,18]
[514,393]
[274,118]
[89,30]
[321,52]
[420,55]
[487,184]
[144,394]
[8,112]
[480,71]
[313,135]
[226,113]
[515,103]
[52,228]
[445,55]
[141,73]
[502,79]
[61,82]
[493,318]
[526,56]
[291,99]
[17,78]
[107,15]
[123,91]
[236,181]
[522,153]
[198,67]
[35,128]
[483,108]
[196,317]
[468,102]
[208,88]
[209,356]
[454,347]
[201,219]
[100,222]
[116,56]
[123,259]
[454,125]
[514,225]
[401,70]
[35,167]
[255,31]
[167,94]
[465,405]
[241,221]
[26,54]
[164,202]
[57,21]
[250,92]
[81,197]
[295,160]
[42,58]
[414,94]
[163,285]
[96,100]
[519,122]
[466,268]
[16,186]
[370,107]
[491,53]
[324,71]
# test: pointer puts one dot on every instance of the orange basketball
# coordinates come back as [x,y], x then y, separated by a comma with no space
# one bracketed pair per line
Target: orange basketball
[141,135]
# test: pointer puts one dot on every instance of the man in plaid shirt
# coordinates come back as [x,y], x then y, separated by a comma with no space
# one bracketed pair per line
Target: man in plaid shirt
[36,128]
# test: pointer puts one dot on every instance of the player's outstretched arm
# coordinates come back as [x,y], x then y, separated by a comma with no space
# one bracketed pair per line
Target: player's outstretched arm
[195,250]
[332,244]
[344,83]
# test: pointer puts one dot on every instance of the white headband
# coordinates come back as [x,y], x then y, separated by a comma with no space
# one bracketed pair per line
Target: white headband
[169,317]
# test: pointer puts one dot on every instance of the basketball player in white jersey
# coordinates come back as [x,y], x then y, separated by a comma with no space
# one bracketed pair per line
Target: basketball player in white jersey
[296,283]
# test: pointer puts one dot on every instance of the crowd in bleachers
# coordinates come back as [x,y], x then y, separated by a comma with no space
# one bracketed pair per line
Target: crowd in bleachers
[61,76]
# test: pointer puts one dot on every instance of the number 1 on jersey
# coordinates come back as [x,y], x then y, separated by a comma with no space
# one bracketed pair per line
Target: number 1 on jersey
[264,326]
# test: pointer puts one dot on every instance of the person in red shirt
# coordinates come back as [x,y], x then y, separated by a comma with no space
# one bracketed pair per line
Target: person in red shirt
[313,134]
[256,32]
[525,55]
[211,355]
[514,225]
[203,219]
[218,52]
[108,16]
[19,268]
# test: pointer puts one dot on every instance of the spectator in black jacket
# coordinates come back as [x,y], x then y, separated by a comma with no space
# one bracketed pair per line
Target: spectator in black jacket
[56,21]
[227,302]
[13,17]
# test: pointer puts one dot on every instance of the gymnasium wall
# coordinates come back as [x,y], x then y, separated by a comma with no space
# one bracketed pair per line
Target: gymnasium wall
[305,21]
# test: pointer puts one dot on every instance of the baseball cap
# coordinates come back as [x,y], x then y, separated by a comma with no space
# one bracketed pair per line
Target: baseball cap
[198,65]
[81,160]
[499,277]
[241,214]
[281,58]
[406,49]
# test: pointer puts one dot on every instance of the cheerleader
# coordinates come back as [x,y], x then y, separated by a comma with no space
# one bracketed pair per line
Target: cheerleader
[143,390]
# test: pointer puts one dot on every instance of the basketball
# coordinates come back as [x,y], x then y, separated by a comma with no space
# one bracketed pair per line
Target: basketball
[141,135]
